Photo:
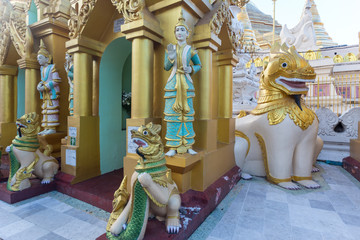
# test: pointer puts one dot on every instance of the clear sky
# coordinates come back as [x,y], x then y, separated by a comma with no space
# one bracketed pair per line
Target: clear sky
[340,17]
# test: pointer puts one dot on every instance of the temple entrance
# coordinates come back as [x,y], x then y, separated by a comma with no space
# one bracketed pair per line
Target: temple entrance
[114,79]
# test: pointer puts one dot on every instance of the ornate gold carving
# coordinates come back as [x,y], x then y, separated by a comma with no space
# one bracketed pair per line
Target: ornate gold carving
[223,15]
[13,26]
[78,20]
[131,9]
[239,3]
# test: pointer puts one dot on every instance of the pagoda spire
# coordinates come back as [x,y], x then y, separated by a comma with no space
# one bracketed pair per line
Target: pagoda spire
[322,37]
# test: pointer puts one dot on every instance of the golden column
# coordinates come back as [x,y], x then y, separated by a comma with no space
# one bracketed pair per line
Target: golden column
[7,104]
[32,78]
[142,78]
[83,79]
[226,60]
[206,90]
[142,33]
[81,153]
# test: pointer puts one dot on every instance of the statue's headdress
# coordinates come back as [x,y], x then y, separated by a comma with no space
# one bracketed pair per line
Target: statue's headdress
[181,22]
[43,51]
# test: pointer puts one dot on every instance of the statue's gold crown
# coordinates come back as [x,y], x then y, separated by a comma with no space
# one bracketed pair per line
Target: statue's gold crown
[181,22]
[43,51]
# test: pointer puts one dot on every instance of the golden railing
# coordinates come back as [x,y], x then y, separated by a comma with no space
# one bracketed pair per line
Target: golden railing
[339,93]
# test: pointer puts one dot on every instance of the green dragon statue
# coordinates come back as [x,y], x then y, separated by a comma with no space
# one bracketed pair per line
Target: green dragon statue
[25,156]
[153,192]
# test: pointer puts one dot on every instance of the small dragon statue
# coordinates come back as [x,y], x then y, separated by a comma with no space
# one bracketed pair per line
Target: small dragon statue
[279,138]
[153,192]
[25,156]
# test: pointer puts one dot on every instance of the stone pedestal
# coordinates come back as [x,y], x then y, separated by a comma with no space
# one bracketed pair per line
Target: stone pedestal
[337,134]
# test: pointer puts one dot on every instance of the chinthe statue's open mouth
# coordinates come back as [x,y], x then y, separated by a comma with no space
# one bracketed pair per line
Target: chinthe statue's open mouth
[140,142]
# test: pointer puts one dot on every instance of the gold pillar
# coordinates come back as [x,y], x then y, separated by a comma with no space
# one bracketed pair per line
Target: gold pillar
[205,84]
[7,104]
[95,87]
[83,79]
[142,78]
[226,60]
[32,78]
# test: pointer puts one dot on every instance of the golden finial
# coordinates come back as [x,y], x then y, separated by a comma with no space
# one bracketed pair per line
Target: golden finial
[43,51]
[181,22]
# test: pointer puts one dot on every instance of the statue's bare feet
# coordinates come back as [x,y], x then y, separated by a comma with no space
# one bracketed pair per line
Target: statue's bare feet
[192,152]
[173,225]
[171,153]
[309,184]
[246,176]
[289,185]
[315,169]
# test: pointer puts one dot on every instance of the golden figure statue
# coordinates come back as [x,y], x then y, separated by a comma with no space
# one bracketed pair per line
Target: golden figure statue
[179,92]
[49,91]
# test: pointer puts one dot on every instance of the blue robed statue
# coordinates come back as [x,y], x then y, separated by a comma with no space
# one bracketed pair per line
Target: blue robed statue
[179,92]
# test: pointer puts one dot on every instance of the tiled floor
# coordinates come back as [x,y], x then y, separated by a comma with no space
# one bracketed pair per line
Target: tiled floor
[256,209]
[253,209]
[52,216]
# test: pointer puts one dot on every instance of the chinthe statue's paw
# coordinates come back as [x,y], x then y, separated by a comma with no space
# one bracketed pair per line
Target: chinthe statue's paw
[145,179]
[173,225]
[309,184]
[171,153]
[315,169]
[246,176]
[289,185]
[46,181]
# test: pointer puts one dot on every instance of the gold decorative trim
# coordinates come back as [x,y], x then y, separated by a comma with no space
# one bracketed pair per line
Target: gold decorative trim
[79,19]
[264,156]
[296,178]
[243,135]
[130,9]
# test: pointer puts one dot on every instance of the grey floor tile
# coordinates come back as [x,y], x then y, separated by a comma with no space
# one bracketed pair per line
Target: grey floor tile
[79,230]
[29,210]
[52,236]
[277,230]
[32,233]
[350,219]
[304,234]
[86,217]
[248,234]
[50,219]
[14,228]
[325,205]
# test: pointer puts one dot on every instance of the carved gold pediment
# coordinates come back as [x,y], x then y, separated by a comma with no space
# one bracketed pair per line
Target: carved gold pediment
[78,19]
[130,9]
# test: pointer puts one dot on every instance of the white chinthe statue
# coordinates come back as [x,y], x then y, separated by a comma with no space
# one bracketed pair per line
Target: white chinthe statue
[279,138]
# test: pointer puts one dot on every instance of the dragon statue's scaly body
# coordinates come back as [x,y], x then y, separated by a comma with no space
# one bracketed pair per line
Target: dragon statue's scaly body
[153,192]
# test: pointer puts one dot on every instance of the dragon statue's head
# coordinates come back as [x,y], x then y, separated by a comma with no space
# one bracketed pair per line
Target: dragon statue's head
[287,71]
[148,140]
[28,124]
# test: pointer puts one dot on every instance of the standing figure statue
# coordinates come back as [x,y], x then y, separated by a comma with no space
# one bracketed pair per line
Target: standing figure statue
[49,91]
[69,68]
[179,92]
